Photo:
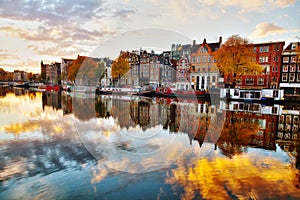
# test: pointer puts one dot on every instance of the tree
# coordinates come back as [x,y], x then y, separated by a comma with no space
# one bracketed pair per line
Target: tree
[86,71]
[76,64]
[236,58]
[3,74]
[298,53]
[119,67]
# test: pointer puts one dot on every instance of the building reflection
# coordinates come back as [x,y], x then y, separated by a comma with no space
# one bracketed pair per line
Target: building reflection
[52,99]
[244,124]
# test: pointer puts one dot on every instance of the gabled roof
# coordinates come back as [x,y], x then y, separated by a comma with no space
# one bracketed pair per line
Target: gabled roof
[194,48]
[291,45]
[214,46]
[65,60]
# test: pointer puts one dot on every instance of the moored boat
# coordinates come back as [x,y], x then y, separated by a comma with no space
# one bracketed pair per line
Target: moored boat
[169,92]
[146,91]
[252,95]
[84,89]
[49,88]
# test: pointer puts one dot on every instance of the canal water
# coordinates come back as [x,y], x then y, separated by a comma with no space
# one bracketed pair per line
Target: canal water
[55,145]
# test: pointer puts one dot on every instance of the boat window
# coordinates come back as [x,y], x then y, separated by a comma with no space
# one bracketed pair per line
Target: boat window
[275,93]
[257,95]
[241,106]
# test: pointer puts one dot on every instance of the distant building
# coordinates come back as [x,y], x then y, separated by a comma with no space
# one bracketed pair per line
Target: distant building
[183,74]
[155,72]
[17,75]
[268,55]
[144,68]
[166,69]
[65,67]
[204,72]
[290,69]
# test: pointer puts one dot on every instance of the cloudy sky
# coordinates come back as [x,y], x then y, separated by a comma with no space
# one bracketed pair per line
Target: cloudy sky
[35,30]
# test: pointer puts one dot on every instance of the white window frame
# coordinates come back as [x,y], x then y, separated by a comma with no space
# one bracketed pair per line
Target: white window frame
[292,77]
[284,77]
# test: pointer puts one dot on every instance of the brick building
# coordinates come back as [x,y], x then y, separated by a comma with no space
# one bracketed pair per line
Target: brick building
[268,55]
[290,69]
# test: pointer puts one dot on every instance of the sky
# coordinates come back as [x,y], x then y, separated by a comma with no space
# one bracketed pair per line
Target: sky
[35,30]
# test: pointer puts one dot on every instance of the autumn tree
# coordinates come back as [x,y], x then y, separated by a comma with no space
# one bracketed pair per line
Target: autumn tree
[90,72]
[236,58]
[86,71]
[119,67]
[75,67]
[298,52]
[3,74]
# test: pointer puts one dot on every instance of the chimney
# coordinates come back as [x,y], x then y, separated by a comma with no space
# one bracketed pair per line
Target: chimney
[194,42]
[220,39]
[204,41]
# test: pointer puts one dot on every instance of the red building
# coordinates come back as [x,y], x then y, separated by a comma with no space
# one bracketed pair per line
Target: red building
[182,73]
[268,55]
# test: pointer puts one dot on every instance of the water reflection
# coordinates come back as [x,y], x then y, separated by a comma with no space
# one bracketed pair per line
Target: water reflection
[189,149]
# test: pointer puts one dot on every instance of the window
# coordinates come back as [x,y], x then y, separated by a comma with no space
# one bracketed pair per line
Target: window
[214,78]
[285,68]
[264,49]
[267,49]
[276,47]
[183,63]
[203,58]
[249,81]
[239,81]
[260,81]
[284,77]
[275,59]
[263,59]
[198,59]
[203,69]
[193,59]
[285,59]
[298,77]
[293,59]
[293,68]
[254,49]
[292,77]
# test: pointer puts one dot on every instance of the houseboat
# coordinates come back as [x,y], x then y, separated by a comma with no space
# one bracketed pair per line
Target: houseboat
[172,92]
[48,88]
[84,89]
[127,90]
[255,95]
[146,91]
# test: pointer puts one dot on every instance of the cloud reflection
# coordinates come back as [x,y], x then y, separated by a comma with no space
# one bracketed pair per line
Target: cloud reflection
[241,177]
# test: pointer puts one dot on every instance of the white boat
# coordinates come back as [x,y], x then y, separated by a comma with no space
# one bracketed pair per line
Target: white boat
[125,91]
[84,89]
[252,94]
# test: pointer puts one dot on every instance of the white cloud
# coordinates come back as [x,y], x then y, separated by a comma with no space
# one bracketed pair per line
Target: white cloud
[249,6]
[265,29]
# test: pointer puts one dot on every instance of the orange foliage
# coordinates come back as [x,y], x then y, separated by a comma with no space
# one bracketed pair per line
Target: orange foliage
[235,57]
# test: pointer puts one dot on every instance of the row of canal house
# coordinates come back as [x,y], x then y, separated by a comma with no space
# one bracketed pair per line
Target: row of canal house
[185,66]
[57,73]
[281,68]
[193,66]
